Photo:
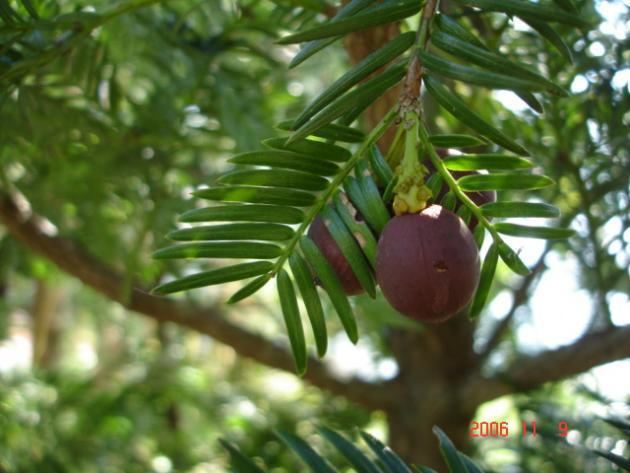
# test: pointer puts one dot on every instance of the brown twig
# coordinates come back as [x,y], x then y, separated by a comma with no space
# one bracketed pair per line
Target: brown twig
[411,86]
[72,258]
[527,373]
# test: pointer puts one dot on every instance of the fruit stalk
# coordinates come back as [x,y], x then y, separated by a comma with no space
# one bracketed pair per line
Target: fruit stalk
[411,88]
[425,21]
[411,192]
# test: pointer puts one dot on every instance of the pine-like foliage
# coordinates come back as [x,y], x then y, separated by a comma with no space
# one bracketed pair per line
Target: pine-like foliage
[269,199]
[382,459]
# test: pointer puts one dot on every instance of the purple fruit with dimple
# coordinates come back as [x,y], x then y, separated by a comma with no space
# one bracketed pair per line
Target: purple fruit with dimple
[427,264]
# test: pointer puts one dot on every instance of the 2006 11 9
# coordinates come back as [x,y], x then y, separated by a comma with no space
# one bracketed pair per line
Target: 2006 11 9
[501,429]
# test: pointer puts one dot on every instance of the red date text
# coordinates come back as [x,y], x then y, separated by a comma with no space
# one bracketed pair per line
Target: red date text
[502,430]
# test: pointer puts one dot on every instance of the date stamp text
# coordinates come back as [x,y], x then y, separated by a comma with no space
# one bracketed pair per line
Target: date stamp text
[502,429]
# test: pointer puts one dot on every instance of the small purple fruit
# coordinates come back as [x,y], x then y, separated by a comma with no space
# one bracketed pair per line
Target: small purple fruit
[427,264]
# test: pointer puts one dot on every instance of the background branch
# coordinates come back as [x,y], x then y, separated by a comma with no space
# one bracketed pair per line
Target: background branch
[593,349]
[69,256]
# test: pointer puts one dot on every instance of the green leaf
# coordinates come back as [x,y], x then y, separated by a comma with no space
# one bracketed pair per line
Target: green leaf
[360,231]
[464,213]
[312,47]
[316,463]
[491,61]
[354,456]
[472,75]
[355,194]
[614,458]
[451,26]
[434,183]
[470,162]
[372,197]
[257,195]
[291,313]
[239,462]
[215,276]
[352,115]
[287,159]
[449,453]
[7,13]
[531,100]
[380,14]
[249,288]
[350,249]
[424,469]
[219,250]
[508,209]
[244,213]
[460,110]
[388,194]
[332,286]
[509,257]
[332,131]
[471,466]
[366,93]
[275,178]
[234,231]
[548,233]
[479,234]
[449,201]
[618,423]
[30,9]
[360,71]
[380,166]
[304,280]
[540,11]
[485,280]
[547,32]
[567,5]
[455,141]
[386,455]
[314,149]
[483,182]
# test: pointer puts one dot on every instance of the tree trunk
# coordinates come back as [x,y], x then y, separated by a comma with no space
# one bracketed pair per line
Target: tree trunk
[410,428]
[433,365]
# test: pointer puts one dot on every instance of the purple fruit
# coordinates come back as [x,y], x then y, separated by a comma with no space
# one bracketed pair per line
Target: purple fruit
[427,264]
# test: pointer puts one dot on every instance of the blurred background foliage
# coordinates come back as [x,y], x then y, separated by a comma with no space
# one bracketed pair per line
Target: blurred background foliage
[110,113]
